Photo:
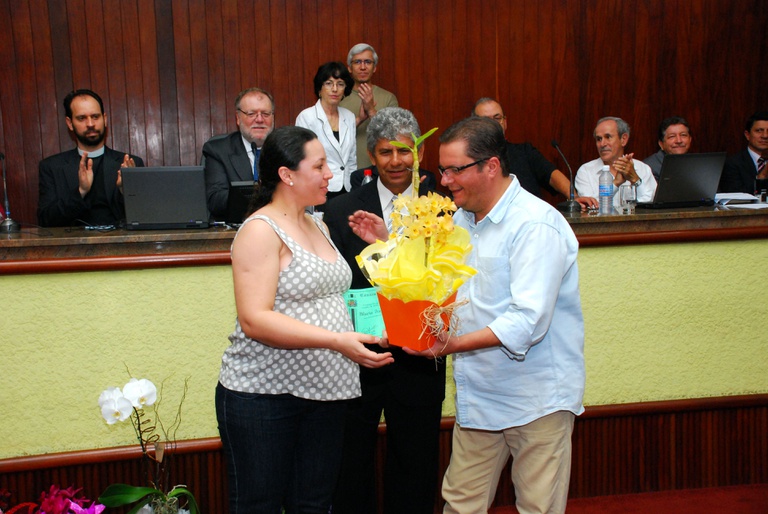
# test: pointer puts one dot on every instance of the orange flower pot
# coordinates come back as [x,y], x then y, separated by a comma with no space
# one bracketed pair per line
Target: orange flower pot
[404,323]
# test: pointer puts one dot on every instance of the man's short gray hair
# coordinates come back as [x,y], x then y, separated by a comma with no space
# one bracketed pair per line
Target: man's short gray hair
[389,123]
[483,100]
[622,125]
[362,47]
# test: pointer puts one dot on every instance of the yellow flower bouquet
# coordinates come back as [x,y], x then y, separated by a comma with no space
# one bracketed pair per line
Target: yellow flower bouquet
[421,265]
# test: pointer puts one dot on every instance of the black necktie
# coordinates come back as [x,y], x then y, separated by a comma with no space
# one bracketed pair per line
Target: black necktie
[256,153]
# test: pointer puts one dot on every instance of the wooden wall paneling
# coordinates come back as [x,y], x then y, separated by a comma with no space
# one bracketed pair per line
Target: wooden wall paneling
[337,49]
[513,71]
[356,24]
[23,107]
[144,98]
[166,73]
[124,39]
[61,57]
[215,76]
[185,86]
[264,62]
[112,65]
[557,65]
[314,24]
[430,33]
[377,31]
[93,36]
[415,42]
[78,46]
[244,50]
[534,32]
[566,104]
[401,54]
[46,96]
[483,58]
[285,55]
[229,79]
[199,109]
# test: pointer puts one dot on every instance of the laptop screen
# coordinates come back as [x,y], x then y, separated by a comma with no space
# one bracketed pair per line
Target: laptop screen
[238,200]
[691,177]
[164,197]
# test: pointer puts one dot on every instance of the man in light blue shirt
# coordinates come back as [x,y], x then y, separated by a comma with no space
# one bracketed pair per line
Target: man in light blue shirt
[519,352]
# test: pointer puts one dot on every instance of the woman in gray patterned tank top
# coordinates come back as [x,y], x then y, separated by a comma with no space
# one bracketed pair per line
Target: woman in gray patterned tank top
[293,362]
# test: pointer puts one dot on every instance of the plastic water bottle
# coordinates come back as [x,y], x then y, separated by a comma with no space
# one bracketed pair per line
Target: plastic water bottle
[606,191]
[367,176]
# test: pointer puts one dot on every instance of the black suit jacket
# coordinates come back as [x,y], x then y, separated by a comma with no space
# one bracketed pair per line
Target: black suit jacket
[413,380]
[356,178]
[59,202]
[225,160]
[739,174]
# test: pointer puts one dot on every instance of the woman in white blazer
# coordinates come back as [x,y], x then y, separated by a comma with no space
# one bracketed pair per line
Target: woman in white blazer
[335,126]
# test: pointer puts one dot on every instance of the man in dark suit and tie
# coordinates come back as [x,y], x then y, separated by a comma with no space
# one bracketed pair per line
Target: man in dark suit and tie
[741,169]
[235,157]
[409,392]
[83,186]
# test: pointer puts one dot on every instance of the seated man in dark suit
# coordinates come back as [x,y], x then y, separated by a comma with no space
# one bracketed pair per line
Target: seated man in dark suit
[531,168]
[83,186]
[742,169]
[410,392]
[234,157]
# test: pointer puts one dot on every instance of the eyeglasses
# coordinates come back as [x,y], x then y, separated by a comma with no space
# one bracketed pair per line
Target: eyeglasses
[338,84]
[499,117]
[255,114]
[455,170]
[358,62]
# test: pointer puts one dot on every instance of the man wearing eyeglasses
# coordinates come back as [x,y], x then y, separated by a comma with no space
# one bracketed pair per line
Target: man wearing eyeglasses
[235,157]
[518,354]
[531,168]
[366,98]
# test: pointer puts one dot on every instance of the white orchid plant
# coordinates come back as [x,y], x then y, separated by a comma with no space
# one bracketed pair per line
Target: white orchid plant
[133,403]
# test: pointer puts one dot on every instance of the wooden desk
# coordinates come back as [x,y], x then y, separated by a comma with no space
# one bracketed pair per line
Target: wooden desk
[77,249]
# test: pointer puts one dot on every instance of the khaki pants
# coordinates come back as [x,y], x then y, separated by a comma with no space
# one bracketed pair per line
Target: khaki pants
[541,466]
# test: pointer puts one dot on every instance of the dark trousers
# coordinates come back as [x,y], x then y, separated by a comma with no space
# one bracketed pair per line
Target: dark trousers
[281,451]
[410,472]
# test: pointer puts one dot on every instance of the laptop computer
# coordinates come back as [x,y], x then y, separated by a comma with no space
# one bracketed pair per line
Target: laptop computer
[687,180]
[238,200]
[164,197]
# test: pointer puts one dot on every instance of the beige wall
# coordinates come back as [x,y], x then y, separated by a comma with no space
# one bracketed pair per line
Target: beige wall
[662,322]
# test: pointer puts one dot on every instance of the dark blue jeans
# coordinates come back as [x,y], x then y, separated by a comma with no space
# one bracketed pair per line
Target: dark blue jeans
[281,451]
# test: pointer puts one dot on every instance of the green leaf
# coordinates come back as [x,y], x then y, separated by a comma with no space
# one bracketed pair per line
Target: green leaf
[400,144]
[122,494]
[183,491]
[136,508]
[423,137]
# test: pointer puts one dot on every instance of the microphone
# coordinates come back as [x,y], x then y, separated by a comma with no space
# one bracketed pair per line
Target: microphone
[7,226]
[571,205]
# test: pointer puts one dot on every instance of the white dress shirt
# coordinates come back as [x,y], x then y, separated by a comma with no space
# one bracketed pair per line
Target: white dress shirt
[341,154]
[527,292]
[587,181]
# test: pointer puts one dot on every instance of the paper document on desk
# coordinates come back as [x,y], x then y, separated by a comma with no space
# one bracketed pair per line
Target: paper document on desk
[735,198]
[752,206]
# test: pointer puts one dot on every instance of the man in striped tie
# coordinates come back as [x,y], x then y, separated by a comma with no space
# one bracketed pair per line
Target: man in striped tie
[744,169]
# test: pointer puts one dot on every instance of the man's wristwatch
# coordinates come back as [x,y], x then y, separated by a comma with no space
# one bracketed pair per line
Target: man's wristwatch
[638,182]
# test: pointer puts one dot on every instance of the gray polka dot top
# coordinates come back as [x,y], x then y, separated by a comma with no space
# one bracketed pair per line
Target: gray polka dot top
[310,290]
